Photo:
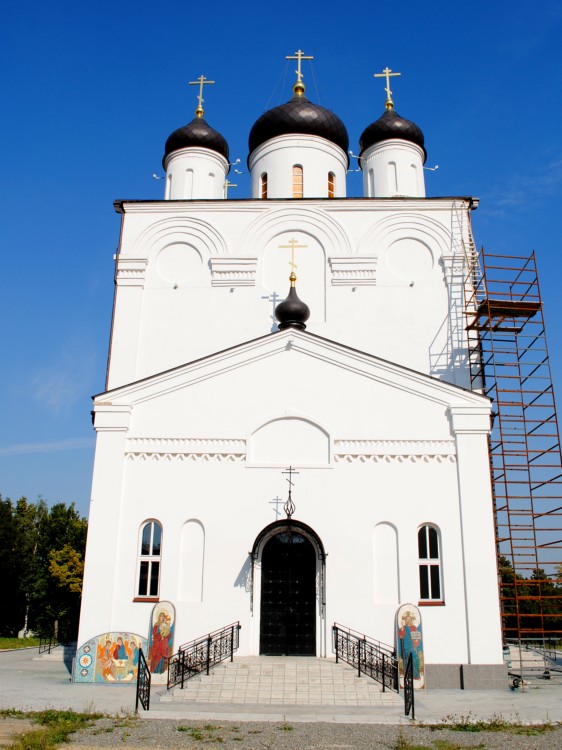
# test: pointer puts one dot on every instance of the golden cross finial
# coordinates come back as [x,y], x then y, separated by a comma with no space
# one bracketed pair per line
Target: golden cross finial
[227,185]
[291,246]
[299,56]
[388,74]
[201,81]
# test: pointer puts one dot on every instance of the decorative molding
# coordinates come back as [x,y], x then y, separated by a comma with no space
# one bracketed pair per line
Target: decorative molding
[455,268]
[130,271]
[388,459]
[185,449]
[354,271]
[187,457]
[229,271]
[394,451]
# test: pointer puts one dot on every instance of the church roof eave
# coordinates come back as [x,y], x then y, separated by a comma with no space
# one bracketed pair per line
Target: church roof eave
[446,389]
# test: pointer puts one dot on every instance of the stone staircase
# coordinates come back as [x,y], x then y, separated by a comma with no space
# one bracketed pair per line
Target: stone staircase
[282,681]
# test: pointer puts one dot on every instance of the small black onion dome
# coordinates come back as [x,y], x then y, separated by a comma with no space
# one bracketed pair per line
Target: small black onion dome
[299,116]
[292,312]
[198,132]
[391,125]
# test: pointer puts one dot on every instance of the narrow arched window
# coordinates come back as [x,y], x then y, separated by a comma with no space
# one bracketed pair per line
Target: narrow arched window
[263,185]
[297,181]
[429,553]
[149,560]
[331,185]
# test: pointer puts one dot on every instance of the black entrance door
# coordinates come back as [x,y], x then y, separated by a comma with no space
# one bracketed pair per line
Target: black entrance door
[288,596]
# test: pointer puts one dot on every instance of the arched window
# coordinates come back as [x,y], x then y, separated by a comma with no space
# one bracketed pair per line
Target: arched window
[331,185]
[149,560]
[429,552]
[297,181]
[263,185]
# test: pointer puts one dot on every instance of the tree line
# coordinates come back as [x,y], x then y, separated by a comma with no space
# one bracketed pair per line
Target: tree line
[41,566]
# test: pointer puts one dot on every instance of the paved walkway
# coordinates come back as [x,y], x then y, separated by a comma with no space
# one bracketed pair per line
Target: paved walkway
[33,685]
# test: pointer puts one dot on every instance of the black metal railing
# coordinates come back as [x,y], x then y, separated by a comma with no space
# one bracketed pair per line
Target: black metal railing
[368,656]
[409,687]
[202,654]
[47,643]
[143,684]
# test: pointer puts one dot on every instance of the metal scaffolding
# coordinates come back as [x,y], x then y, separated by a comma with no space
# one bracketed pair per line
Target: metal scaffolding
[509,362]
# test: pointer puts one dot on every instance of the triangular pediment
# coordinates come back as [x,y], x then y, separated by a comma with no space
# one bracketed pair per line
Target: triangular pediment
[293,348]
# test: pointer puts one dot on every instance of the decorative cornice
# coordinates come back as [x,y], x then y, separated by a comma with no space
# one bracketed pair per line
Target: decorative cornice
[232,450]
[394,451]
[186,457]
[364,458]
[230,271]
[130,271]
[455,268]
[185,449]
[354,271]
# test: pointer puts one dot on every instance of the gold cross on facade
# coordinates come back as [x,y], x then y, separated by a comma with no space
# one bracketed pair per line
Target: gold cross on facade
[201,81]
[388,74]
[299,56]
[291,246]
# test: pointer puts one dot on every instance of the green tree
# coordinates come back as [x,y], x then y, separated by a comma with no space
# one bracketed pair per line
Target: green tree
[32,536]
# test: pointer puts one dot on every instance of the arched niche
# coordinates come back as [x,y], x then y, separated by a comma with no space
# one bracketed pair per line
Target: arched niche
[386,583]
[289,441]
[192,559]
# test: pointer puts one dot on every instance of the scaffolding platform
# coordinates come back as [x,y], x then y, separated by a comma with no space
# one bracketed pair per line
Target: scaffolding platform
[509,362]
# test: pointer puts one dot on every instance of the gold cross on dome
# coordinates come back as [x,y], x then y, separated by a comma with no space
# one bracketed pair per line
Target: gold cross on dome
[388,74]
[291,246]
[299,56]
[201,81]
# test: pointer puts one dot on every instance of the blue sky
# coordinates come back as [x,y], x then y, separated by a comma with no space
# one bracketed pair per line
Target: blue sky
[91,92]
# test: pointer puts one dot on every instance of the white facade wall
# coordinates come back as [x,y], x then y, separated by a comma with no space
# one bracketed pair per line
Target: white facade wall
[196,278]
[207,443]
[195,173]
[393,168]
[317,157]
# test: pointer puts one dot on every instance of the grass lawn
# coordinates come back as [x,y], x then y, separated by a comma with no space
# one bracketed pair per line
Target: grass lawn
[18,642]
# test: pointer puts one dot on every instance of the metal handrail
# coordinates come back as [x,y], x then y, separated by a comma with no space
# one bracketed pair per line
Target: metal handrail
[203,653]
[409,687]
[143,684]
[369,656]
[47,644]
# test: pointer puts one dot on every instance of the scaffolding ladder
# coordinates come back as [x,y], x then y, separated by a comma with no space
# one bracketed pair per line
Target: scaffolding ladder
[509,363]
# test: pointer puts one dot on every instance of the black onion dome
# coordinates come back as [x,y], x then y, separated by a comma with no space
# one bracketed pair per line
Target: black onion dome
[198,132]
[391,125]
[292,312]
[299,116]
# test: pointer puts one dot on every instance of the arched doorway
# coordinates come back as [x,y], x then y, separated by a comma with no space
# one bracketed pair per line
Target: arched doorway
[290,565]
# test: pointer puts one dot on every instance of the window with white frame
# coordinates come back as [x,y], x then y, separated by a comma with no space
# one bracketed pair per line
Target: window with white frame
[429,553]
[149,560]
[331,185]
[263,185]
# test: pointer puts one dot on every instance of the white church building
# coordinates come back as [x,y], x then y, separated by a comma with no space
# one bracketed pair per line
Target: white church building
[220,378]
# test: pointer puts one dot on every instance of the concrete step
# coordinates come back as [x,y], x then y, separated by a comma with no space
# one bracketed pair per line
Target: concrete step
[64,653]
[280,680]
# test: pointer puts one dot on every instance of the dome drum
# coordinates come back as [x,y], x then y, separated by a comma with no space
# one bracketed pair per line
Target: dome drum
[393,168]
[195,173]
[323,167]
